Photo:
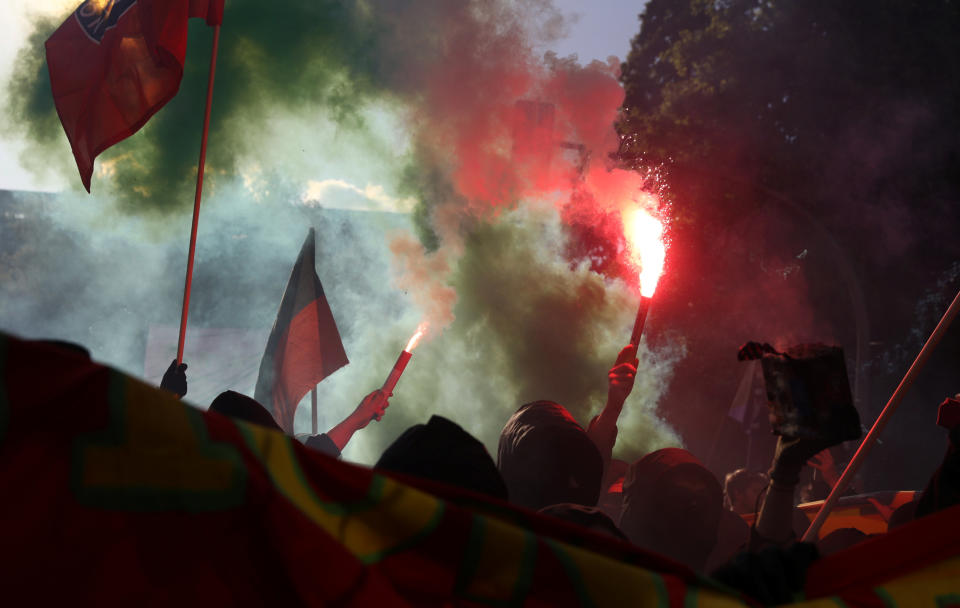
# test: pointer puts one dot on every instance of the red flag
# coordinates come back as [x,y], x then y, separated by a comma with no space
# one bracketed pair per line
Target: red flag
[304,346]
[114,63]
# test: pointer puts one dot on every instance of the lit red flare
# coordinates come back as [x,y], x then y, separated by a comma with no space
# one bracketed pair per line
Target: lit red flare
[415,338]
[403,359]
[648,252]
[644,234]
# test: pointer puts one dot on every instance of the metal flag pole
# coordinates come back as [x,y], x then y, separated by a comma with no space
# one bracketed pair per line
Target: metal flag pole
[882,420]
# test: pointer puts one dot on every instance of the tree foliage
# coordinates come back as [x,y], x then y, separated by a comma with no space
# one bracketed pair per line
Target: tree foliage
[849,110]
[816,131]
[750,84]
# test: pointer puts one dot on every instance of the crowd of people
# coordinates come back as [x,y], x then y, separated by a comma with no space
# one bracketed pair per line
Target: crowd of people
[666,502]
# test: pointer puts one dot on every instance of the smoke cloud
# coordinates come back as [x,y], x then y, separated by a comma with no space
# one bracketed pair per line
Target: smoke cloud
[376,105]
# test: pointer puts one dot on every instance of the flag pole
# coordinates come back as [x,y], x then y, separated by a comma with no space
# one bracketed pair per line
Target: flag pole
[196,198]
[811,534]
[313,408]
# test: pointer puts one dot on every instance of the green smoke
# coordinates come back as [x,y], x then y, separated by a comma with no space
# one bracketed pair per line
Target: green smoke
[318,56]
[527,327]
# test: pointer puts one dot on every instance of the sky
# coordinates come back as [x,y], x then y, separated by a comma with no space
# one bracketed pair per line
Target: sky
[602,31]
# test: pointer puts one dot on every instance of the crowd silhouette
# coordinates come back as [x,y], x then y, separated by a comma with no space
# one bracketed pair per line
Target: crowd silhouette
[743,532]
[666,502]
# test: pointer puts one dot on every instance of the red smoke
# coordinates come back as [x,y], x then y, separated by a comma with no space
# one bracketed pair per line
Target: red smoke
[508,126]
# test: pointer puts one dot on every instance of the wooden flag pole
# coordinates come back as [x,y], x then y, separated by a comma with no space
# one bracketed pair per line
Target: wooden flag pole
[313,408]
[811,534]
[196,198]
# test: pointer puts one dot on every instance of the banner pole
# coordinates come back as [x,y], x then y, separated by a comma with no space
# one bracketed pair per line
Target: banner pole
[197,195]
[811,534]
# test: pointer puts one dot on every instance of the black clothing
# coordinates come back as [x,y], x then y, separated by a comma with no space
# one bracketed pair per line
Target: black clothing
[235,405]
[590,518]
[546,458]
[322,443]
[442,451]
[672,505]
[943,490]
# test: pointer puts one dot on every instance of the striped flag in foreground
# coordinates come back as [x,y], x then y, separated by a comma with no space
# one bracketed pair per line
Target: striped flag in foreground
[123,491]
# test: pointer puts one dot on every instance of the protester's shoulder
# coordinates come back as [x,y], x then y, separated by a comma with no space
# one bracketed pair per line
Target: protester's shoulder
[321,443]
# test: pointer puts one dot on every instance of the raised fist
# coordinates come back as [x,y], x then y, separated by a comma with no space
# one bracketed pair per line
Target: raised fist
[175,379]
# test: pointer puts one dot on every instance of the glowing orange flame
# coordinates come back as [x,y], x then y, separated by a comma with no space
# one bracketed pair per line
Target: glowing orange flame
[644,233]
[412,344]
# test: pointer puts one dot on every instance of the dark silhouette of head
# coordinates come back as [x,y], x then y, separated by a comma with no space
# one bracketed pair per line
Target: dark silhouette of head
[442,451]
[672,505]
[235,405]
[741,488]
[590,518]
[546,458]
[70,347]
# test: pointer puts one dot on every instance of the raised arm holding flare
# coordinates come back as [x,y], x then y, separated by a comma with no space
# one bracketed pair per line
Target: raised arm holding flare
[603,428]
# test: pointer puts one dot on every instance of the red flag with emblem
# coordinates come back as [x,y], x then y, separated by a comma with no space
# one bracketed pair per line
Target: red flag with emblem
[114,63]
[304,346]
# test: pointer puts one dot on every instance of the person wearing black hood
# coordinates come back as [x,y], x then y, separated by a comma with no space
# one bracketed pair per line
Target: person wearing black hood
[331,443]
[672,505]
[943,489]
[546,458]
[442,451]
[242,407]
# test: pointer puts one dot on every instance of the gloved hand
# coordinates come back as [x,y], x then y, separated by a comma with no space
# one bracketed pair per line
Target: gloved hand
[792,454]
[175,379]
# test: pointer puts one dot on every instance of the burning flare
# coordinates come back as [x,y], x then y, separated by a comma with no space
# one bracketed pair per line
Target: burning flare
[644,234]
[415,338]
[403,359]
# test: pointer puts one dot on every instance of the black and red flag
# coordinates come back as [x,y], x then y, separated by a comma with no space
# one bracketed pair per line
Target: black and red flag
[304,346]
[114,63]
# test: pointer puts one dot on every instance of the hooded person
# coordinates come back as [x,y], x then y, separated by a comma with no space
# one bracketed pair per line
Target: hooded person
[248,409]
[672,505]
[546,458]
[331,443]
[442,451]
[236,405]
[943,489]
[72,347]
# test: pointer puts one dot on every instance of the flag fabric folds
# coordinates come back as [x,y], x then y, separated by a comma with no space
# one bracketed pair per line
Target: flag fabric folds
[114,63]
[304,345]
[123,494]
